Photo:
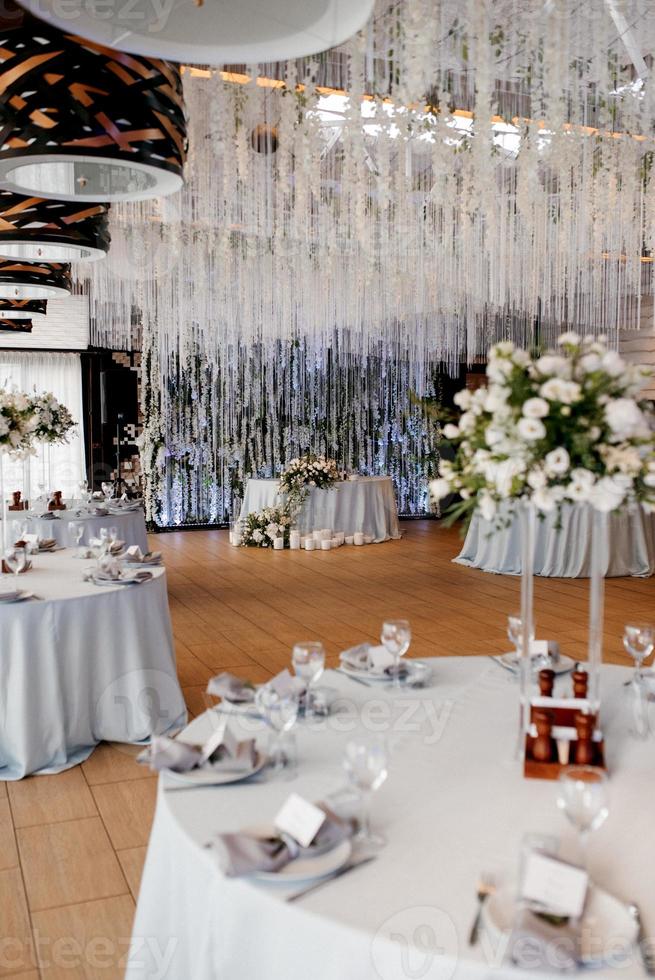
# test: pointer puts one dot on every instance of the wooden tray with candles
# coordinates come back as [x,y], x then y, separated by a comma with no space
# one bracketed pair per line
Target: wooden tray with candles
[563,731]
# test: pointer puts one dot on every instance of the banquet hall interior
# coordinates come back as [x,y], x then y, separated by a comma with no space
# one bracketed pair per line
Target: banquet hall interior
[369,285]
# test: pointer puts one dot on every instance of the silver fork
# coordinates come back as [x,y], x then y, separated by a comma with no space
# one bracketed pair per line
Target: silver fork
[647,958]
[486,887]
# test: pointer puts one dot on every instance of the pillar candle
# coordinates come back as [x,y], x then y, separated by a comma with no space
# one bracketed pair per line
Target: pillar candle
[278,544]
[316,535]
[349,539]
[358,537]
[326,544]
[294,540]
[309,544]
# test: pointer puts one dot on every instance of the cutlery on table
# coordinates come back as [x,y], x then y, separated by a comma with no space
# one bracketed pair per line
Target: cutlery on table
[357,680]
[642,943]
[486,887]
[349,866]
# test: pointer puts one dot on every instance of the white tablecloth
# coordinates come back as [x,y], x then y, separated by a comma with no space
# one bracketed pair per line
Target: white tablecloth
[452,807]
[87,663]
[564,553]
[367,504]
[131,526]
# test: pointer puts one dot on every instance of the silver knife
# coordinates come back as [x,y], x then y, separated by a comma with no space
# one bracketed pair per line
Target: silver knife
[350,866]
[357,680]
[642,943]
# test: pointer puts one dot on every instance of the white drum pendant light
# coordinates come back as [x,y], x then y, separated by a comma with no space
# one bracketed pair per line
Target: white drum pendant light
[212,32]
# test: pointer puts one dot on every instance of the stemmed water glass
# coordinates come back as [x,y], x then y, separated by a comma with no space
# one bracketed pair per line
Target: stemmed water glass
[105,543]
[583,799]
[366,763]
[113,536]
[308,661]
[639,641]
[15,560]
[76,531]
[396,637]
[280,711]
[515,636]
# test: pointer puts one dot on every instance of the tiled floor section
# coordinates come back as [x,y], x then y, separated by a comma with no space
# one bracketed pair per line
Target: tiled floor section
[72,845]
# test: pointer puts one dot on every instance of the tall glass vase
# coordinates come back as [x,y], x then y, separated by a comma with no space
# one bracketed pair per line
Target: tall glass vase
[599,563]
[3,505]
[528,524]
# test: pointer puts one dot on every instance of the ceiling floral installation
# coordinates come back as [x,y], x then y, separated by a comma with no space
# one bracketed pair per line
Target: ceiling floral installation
[457,174]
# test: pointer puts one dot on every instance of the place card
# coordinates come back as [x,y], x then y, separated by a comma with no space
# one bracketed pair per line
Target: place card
[379,658]
[215,739]
[300,819]
[539,648]
[555,885]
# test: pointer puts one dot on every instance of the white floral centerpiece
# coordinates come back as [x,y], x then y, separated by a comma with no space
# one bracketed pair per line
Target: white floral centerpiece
[261,528]
[309,471]
[566,425]
[54,421]
[18,423]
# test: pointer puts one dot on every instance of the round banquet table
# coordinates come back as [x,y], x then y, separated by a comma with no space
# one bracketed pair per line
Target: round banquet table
[453,806]
[563,552]
[131,526]
[82,664]
[367,504]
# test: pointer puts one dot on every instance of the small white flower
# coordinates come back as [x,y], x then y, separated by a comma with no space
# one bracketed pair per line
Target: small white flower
[568,338]
[531,429]
[649,479]
[487,505]
[499,370]
[625,419]
[544,499]
[536,479]
[450,431]
[554,364]
[467,422]
[501,349]
[492,435]
[560,390]
[589,362]
[463,399]
[608,494]
[440,489]
[257,536]
[557,461]
[535,408]
[613,363]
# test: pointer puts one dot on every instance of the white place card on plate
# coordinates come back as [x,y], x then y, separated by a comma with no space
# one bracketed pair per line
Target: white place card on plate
[379,658]
[559,887]
[300,818]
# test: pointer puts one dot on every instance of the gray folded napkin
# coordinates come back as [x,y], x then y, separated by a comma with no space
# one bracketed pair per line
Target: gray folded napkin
[371,658]
[232,688]
[48,516]
[222,752]
[243,853]
[134,555]
[545,943]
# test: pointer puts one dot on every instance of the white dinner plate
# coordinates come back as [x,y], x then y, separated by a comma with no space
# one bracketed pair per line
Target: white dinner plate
[612,930]
[303,868]
[563,665]
[19,596]
[367,675]
[216,777]
[122,580]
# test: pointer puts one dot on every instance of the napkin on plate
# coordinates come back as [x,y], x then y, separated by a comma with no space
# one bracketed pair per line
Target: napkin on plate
[244,853]
[135,555]
[107,568]
[374,659]
[114,549]
[48,516]
[540,943]
[232,688]
[222,751]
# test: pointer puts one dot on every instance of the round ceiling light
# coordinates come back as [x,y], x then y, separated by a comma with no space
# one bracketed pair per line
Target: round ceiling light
[34,280]
[22,309]
[84,123]
[215,32]
[16,326]
[41,230]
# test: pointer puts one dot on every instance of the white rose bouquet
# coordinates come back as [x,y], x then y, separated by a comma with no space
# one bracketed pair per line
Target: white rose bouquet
[567,425]
[54,421]
[261,528]
[309,471]
[18,423]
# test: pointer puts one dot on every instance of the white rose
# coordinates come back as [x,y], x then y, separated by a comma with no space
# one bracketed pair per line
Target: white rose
[502,348]
[589,362]
[568,338]
[450,431]
[535,408]
[521,357]
[608,494]
[625,419]
[445,468]
[544,499]
[579,489]
[531,429]
[649,479]
[440,489]
[257,535]
[613,363]
[559,390]
[463,399]
[495,398]
[467,422]
[557,461]
[536,479]
[492,436]
[487,506]
[499,370]
[554,364]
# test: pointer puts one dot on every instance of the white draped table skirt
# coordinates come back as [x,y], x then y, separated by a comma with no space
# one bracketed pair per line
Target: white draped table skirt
[367,504]
[452,808]
[85,664]
[564,552]
[131,526]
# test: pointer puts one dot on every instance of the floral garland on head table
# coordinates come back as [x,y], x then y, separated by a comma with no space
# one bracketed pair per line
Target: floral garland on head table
[567,425]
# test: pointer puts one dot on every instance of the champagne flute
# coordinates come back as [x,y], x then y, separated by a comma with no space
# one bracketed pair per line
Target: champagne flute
[366,763]
[280,711]
[396,637]
[16,560]
[113,536]
[308,661]
[583,799]
[639,641]
[104,540]
[515,635]
[76,531]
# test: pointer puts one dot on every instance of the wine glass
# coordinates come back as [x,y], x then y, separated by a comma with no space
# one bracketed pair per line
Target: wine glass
[308,661]
[280,711]
[396,636]
[366,763]
[583,799]
[639,641]
[113,536]
[15,560]
[103,534]
[76,531]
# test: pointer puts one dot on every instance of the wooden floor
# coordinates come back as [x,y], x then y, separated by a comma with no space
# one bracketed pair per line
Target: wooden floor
[72,845]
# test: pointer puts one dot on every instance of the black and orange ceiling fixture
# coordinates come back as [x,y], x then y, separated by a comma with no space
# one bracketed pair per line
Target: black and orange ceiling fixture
[23,309]
[81,122]
[34,280]
[42,230]
[16,326]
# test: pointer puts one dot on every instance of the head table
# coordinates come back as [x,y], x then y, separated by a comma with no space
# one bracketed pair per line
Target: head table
[131,526]
[453,807]
[367,504]
[81,664]
[563,552]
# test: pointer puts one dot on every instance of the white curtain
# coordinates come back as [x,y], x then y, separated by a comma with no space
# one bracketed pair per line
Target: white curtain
[60,374]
